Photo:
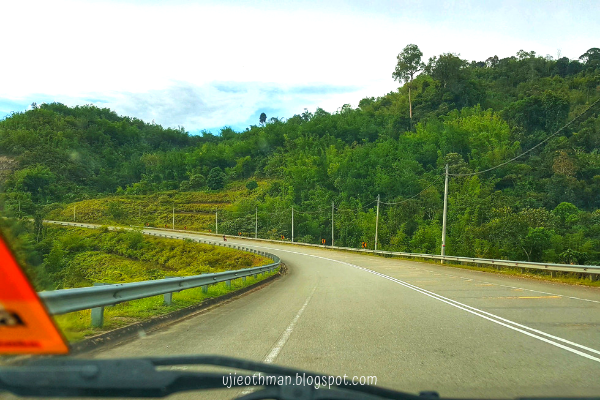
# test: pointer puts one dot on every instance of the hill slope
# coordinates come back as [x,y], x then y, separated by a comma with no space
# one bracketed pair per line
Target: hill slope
[469,115]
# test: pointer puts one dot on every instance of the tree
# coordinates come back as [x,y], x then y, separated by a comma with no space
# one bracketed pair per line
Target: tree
[216,179]
[197,181]
[492,61]
[409,63]
[263,118]
[562,66]
[35,180]
[536,242]
[447,69]
[565,212]
[591,58]
[251,185]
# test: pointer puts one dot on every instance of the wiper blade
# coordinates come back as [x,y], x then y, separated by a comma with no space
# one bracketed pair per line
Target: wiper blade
[139,377]
[101,378]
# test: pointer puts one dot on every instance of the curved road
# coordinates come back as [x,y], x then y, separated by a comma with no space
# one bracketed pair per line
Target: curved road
[415,326]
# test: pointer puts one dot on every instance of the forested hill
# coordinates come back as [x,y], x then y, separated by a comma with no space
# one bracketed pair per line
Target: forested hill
[470,115]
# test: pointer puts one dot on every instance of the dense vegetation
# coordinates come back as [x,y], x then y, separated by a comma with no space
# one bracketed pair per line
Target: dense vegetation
[469,115]
[77,257]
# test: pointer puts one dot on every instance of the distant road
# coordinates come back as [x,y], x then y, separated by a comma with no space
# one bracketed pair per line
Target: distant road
[416,326]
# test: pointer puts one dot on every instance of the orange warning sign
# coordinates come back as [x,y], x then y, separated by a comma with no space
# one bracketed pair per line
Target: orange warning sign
[25,326]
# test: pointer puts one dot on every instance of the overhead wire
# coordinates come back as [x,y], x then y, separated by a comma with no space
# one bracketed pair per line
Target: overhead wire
[355,209]
[534,147]
[432,184]
[412,197]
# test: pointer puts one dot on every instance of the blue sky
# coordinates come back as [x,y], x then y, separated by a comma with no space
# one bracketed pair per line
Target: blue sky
[205,64]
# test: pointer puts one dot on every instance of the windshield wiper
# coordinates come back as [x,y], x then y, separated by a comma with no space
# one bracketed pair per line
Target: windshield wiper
[143,377]
[140,377]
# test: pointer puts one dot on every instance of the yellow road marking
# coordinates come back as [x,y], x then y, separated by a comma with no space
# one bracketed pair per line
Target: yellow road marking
[524,297]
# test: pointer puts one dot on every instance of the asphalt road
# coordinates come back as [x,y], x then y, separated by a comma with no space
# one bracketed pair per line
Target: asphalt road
[415,326]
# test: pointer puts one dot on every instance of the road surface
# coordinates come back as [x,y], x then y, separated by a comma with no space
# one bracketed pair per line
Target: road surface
[415,326]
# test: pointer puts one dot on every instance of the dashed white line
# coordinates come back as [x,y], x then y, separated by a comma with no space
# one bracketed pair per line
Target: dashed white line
[288,331]
[274,352]
[534,333]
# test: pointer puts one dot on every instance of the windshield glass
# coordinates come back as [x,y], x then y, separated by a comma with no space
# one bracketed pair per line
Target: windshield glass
[397,194]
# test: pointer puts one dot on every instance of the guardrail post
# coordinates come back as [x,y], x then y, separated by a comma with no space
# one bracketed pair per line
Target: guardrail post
[98,313]
[205,289]
[228,283]
[243,279]
[168,297]
[593,277]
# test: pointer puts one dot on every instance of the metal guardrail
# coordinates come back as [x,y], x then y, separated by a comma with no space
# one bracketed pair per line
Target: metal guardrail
[592,270]
[97,297]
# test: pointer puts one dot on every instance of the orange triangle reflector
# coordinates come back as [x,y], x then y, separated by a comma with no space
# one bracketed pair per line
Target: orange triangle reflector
[25,325]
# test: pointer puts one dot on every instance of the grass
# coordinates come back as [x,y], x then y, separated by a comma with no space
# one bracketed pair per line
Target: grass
[79,257]
[194,209]
[83,256]
[77,325]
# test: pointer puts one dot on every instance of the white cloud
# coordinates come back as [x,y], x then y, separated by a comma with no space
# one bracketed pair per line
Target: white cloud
[217,104]
[165,59]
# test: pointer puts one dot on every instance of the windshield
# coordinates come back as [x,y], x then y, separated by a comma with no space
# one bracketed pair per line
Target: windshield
[396,194]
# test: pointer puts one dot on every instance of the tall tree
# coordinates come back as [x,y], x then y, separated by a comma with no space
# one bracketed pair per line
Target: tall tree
[591,58]
[216,179]
[263,118]
[409,63]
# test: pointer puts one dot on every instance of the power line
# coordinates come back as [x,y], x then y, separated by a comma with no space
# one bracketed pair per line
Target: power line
[534,147]
[319,211]
[418,194]
[360,208]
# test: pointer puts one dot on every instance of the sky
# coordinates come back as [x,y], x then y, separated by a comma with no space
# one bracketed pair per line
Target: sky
[204,65]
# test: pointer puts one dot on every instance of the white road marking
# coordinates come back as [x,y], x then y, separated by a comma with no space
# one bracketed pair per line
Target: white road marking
[483,314]
[480,313]
[283,338]
[468,279]
[295,252]
[553,294]
[288,331]
[515,287]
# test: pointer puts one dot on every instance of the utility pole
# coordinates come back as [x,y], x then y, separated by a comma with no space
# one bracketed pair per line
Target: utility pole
[445,214]
[377,222]
[217,221]
[292,224]
[173,217]
[74,208]
[256,223]
[332,224]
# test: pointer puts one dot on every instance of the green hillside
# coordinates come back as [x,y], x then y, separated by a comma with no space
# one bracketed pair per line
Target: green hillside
[471,115]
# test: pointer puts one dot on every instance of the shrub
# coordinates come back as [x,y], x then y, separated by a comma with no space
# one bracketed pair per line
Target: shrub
[251,185]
